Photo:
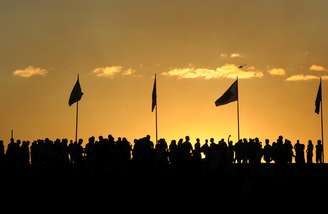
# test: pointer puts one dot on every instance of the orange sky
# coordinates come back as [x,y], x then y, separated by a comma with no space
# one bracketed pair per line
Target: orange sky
[195,48]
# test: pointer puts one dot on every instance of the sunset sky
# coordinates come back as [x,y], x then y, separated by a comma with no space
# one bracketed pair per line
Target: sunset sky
[194,46]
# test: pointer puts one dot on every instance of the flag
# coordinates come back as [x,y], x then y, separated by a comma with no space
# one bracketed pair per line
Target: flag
[229,96]
[318,100]
[76,93]
[154,96]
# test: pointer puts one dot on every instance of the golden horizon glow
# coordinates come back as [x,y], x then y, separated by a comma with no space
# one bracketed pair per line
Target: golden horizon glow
[195,47]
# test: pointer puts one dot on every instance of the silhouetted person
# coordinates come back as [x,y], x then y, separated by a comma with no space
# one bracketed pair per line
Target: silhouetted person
[230,153]
[238,151]
[267,151]
[173,153]
[197,156]
[289,154]
[299,152]
[161,150]
[204,149]
[319,152]
[309,152]
[25,155]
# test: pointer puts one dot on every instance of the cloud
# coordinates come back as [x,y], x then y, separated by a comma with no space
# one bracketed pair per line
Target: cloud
[317,68]
[128,72]
[111,71]
[235,55]
[229,71]
[302,77]
[232,55]
[277,72]
[30,71]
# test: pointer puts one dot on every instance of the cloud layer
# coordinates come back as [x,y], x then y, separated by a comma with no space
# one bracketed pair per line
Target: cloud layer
[317,68]
[112,71]
[229,71]
[302,77]
[277,72]
[30,71]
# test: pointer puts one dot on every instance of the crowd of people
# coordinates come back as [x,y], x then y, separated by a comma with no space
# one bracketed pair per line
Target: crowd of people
[107,155]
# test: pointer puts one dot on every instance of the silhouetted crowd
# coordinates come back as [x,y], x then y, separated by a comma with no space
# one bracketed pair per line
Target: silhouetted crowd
[109,156]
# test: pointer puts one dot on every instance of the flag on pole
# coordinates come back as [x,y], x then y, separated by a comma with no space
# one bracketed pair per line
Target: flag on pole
[318,100]
[229,96]
[76,93]
[154,96]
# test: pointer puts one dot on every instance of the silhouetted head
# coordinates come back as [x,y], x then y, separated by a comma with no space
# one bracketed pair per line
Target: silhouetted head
[187,138]
[148,137]
[110,137]
[198,140]
[92,139]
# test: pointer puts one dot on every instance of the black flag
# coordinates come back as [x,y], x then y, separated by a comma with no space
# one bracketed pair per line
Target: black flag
[76,93]
[154,96]
[229,96]
[318,100]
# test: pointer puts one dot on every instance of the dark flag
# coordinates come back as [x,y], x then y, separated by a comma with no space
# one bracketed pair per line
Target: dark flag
[154,96]
[318,100]
[76,93]
[229,96]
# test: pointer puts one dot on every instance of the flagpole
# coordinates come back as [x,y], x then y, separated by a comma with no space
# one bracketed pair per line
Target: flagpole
[156,124]
[238,111]
[76,120]
[156,113]
[323,148]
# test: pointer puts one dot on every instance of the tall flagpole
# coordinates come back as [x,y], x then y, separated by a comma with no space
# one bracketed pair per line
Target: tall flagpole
[238,110]
[323,148]
[156,124]
[156,112]
[77,120]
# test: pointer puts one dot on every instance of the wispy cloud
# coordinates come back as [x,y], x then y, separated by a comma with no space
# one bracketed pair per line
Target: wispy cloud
[232,55]
[128,72]
[229,71]
[112,71]
[235,55]
[277,72]
[302,77]
[317,68]
[30,71]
